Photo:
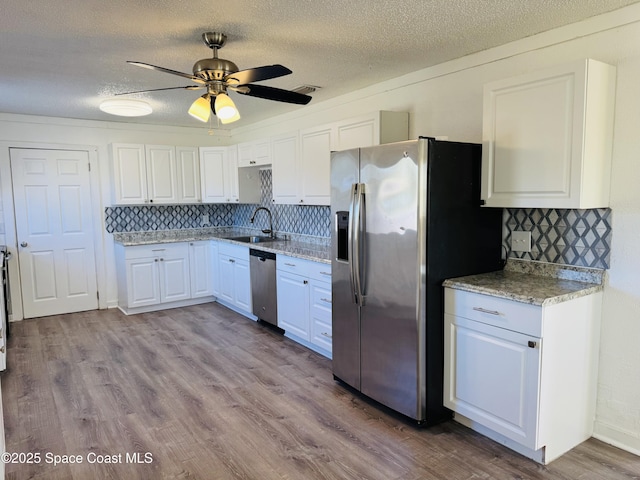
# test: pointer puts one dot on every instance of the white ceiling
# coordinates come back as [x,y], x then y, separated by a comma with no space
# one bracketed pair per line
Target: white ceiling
[63,57]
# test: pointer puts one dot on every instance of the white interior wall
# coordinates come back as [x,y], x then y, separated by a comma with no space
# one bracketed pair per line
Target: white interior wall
[446,100]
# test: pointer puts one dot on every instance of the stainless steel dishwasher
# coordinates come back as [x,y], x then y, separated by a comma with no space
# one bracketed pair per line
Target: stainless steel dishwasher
[263,285]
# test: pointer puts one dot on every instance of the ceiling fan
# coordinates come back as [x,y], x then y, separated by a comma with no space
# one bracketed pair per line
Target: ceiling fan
[218,75]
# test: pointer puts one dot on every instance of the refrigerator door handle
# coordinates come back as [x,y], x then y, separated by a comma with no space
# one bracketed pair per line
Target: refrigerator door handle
[358,242]
[350,242]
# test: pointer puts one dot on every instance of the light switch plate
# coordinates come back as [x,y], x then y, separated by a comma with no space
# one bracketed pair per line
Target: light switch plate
[520,241]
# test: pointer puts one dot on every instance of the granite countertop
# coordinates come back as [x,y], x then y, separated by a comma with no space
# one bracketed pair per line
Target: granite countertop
[316,249]
[535,283]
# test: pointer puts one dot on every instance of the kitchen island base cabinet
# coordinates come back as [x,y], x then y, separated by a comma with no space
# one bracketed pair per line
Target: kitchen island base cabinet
[155,277]
[521,374]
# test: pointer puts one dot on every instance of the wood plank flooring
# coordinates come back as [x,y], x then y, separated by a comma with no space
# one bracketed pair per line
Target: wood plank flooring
[208,394]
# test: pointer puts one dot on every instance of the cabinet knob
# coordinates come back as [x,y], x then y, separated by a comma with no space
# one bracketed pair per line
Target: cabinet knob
[24,244]
[305,281]
[156,260]
[151,201]
[301,201]
[532,344]
[162,259]
[252,162]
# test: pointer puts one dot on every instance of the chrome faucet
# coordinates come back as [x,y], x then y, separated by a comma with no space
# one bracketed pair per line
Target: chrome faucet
[270,230]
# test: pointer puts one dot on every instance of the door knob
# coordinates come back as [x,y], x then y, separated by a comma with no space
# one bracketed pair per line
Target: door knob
[24,244]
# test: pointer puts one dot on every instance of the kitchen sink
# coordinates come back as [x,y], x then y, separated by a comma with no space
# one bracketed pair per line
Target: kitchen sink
[253,239]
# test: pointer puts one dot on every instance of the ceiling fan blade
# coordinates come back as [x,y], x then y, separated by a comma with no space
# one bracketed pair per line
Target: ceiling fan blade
[167,70]
[257,74]
[190,87]
[277,94]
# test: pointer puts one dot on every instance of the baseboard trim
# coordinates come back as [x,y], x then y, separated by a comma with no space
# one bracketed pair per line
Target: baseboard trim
[617,437]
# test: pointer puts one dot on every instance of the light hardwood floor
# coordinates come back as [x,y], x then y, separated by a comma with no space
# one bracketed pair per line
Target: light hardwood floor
[212,395]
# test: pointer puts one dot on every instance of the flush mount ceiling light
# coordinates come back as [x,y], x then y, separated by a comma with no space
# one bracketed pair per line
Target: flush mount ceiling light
[126,107]
[218,76]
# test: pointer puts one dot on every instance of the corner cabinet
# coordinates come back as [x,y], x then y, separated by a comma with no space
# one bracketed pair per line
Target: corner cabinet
[158,174]
[522,374]
[304,302]
[221,181]
[547,138]
[160,276]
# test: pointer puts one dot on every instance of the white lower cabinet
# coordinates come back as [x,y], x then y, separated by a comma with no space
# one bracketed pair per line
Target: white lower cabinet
[159,276]
[234,280]
[304,302]
[201,268]
[521,374]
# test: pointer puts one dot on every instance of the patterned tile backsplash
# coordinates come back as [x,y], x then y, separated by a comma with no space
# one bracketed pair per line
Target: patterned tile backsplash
[296,219]
[570,237]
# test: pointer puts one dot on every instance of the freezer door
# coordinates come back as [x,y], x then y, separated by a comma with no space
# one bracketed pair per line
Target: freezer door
[392,325]
[345,313]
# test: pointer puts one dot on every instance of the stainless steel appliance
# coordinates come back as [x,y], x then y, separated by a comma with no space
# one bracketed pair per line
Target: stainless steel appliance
[405,216]
[263,285]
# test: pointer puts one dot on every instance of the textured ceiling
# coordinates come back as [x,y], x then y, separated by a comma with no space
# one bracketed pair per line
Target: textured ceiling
[63,57]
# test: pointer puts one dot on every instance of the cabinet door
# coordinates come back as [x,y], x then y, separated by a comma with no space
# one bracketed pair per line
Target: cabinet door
[285,169]
[215,270]
[188,175]
[161,173]
[226,275]
[129,174]
[315,149]
[547,138]
[232,192]
[492,376]
[175,281]
[201,268]
[357,133]
[242,285]
[293,304]
[213,173]
[143,286]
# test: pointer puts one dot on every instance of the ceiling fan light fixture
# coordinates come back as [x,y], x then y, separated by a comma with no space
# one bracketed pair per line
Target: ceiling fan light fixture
[126,107]
[225,109]
[201,109]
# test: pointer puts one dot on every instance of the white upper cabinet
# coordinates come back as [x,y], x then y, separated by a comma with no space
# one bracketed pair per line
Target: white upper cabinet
[285,176]
[252,154]
[547,138]
[159,174]
[129,174]
[373,129]
[188,175]
[314,168]
[221,182]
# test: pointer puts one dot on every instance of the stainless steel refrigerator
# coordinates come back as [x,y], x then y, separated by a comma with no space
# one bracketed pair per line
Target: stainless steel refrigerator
[405,216]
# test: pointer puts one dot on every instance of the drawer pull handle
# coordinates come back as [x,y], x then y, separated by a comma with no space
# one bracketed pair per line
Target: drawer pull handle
[290,264]
[484,310]
[325,334]
[328,300]
[325,273]
[532,344]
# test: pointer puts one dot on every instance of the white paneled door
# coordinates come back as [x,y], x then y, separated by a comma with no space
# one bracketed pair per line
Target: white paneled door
[52,201]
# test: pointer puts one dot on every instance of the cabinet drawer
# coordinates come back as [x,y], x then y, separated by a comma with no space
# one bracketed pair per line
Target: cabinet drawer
[236,251]
[499,312]
[322,333]
[320,271]
[294,265]
[321,301]
[156,250]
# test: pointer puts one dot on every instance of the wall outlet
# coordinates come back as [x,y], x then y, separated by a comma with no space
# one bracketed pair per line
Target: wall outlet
[520,241]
